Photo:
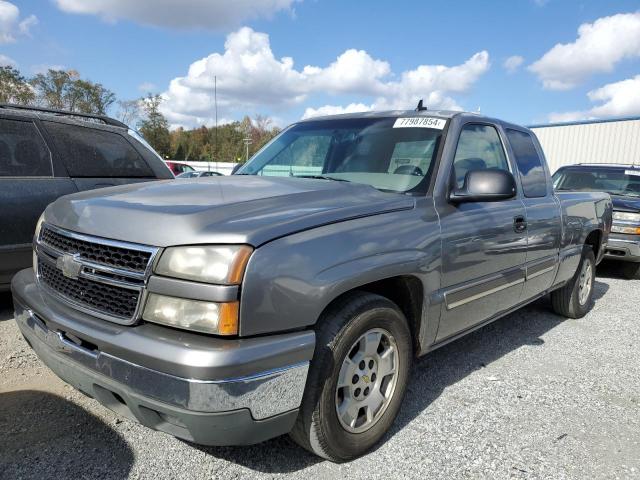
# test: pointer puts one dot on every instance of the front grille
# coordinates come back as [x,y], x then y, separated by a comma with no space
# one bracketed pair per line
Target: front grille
[107,299]
[111,256]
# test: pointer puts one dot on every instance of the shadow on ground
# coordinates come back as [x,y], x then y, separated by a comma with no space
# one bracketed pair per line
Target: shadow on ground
[610,269]
[431,375]
[57,439]
[6,306]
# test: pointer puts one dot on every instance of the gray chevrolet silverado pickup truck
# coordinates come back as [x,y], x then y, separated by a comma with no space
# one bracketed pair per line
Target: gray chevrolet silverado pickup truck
[294,295]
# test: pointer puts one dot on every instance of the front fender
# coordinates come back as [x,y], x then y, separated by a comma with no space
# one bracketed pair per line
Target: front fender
[291,280]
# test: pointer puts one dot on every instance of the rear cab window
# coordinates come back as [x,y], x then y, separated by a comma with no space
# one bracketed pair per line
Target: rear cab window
[23,152]
[89,152]
[530,167]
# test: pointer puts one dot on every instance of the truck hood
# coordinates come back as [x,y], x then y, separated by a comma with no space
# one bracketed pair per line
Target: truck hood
[236,209]
[625,203]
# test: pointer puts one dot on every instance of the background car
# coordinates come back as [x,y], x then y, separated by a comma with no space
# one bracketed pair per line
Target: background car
[622,182]
[196,174]
[45,154]
[177,168]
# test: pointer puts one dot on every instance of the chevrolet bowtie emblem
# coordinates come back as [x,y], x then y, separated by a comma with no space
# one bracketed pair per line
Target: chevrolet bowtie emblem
[366,378]
[69,265]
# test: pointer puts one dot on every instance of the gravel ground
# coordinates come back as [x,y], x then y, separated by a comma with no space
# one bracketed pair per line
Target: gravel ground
[530,396]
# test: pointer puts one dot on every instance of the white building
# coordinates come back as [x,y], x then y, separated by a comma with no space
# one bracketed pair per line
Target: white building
[592,141]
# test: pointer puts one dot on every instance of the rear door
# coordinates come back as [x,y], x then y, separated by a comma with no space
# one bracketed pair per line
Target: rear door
[96,158]
[27,186]
[542,213]
[483,243]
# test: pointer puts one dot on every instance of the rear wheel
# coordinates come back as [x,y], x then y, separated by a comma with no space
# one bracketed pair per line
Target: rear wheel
[631,270]
[357,379]
[575,299]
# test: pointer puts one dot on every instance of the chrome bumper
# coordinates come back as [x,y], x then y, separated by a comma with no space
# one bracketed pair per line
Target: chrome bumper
[623,249]
[266,394]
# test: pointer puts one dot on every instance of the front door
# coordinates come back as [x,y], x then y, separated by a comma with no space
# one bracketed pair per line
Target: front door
[483,243]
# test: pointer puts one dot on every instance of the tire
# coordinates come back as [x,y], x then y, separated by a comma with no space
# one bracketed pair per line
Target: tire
[319,428]
[568,301]
[631,270]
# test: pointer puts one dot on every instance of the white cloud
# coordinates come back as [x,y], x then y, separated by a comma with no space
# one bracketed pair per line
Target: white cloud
[10,23]
[7,61]
[9,14]
[250,77]
[24,27]
[336,110]
[512,64]
[147,87]
[206,14]
[599,46]
[616,99]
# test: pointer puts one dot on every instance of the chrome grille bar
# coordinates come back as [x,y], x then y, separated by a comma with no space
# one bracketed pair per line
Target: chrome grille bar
[97,283]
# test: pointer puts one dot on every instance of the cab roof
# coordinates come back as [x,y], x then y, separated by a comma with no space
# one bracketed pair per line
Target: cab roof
[445,114]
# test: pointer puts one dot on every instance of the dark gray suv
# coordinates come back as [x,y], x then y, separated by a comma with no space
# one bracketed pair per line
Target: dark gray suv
[45,154]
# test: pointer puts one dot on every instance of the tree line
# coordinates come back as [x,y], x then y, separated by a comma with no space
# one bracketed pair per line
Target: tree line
[66,90]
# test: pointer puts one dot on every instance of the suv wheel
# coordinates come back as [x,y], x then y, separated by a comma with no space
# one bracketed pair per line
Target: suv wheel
[575,299]
[357,378]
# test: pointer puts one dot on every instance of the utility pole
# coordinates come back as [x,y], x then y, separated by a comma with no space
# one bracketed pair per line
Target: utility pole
[215,103]
[247,139]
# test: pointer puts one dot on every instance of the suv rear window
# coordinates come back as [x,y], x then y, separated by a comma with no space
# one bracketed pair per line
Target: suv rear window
[23,153]
[88,152]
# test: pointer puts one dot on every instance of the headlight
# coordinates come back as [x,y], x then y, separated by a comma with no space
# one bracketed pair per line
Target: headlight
[627,230]
[206,317]
[627,216]
[222,264]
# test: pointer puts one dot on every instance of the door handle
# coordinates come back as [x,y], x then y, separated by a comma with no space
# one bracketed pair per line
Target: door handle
[519,223]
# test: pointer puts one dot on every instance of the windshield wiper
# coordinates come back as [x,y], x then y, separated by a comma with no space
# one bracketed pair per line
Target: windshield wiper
[320,177]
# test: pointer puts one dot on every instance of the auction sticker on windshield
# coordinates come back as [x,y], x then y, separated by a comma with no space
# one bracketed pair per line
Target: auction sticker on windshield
[635,173]
[420,122]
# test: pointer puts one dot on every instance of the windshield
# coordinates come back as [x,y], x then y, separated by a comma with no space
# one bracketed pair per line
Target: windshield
[390,154]
[615,181]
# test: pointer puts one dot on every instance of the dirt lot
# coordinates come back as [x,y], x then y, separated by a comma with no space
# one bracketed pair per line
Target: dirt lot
[530,396]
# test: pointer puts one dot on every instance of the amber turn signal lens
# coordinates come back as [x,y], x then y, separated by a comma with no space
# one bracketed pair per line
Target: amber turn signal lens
[239,263]
[228,320]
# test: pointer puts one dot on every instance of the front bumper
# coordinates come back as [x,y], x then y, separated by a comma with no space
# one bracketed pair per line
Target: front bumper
[242,409]
[623,247]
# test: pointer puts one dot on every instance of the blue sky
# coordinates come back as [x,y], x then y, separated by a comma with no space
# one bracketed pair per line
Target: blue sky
[126,47]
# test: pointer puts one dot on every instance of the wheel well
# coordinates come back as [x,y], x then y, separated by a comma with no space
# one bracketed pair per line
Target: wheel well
[406,292]
[593,239]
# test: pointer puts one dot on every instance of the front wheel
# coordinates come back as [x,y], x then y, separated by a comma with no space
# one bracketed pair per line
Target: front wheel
[575,299]
[357,379]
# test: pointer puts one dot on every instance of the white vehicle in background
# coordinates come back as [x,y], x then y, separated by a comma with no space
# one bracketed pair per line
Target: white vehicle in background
[196,174]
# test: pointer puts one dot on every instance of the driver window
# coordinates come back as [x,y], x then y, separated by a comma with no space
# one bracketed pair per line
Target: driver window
[479,148]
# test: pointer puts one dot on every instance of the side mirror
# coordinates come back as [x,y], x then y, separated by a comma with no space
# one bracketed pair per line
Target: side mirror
[487,185]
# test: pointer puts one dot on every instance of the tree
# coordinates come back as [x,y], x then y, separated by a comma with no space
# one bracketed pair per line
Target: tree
[128,111]
[88,97]
[154,126]
[53,88]
[14,88]
[65,90]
